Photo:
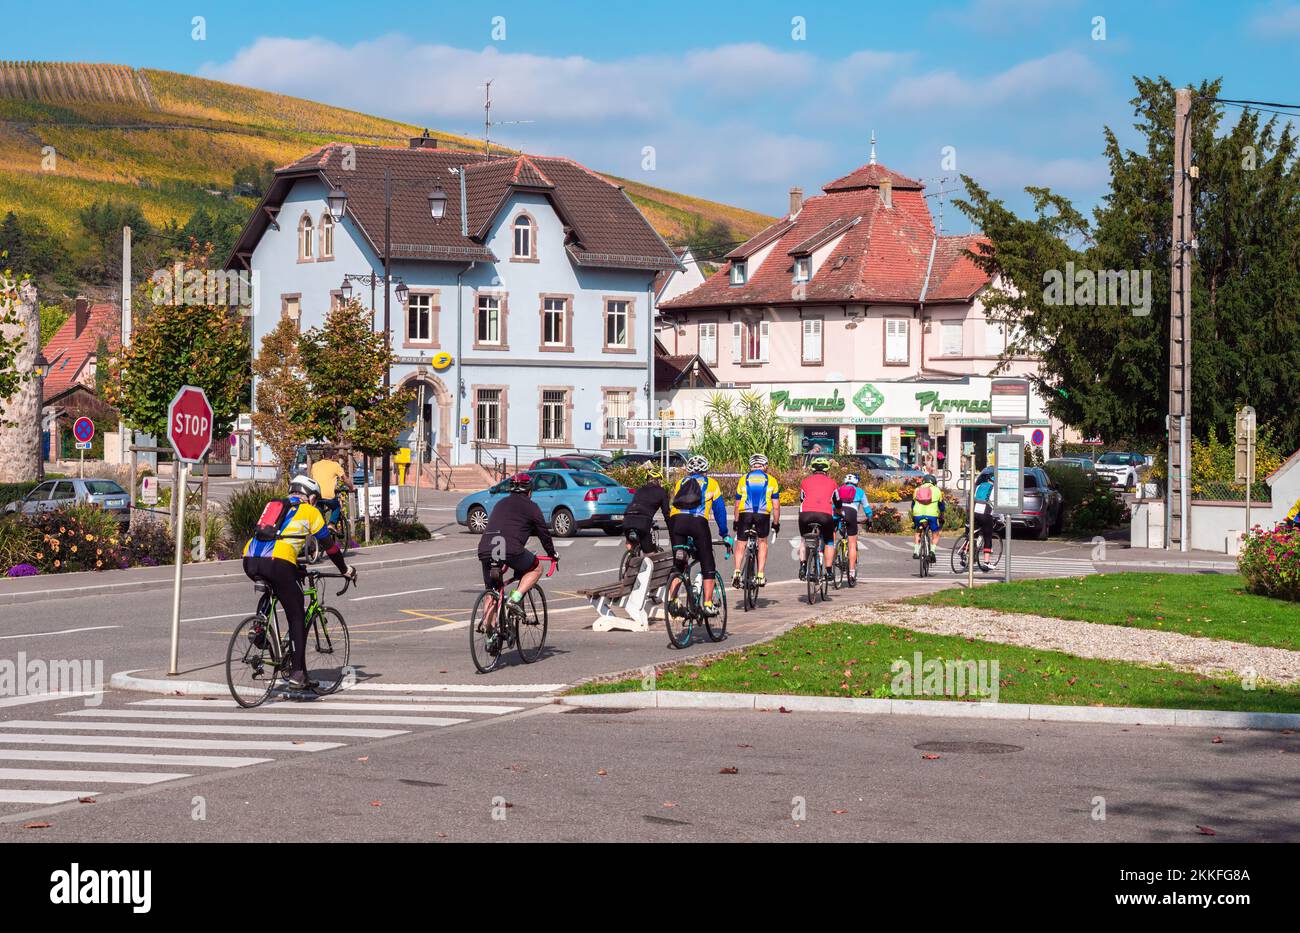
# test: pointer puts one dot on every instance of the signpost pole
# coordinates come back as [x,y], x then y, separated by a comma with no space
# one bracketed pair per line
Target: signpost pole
[182,471]
[970,512]
[81,463]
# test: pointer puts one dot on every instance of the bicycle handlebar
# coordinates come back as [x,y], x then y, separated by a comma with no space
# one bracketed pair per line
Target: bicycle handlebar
[319,574]
[553,561]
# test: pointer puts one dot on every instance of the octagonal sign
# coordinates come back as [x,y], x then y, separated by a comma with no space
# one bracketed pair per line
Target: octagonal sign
[189,424]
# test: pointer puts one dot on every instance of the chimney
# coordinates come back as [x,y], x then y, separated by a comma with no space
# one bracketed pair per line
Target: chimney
[887,192]
[796,200]
[82,313]
[424,141]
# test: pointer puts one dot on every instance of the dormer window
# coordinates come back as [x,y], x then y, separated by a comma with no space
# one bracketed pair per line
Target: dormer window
[523,231]
[803,268]
[739,272]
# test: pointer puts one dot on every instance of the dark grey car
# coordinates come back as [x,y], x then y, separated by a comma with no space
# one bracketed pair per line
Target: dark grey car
[56,493]
[883,466]
[1044,510]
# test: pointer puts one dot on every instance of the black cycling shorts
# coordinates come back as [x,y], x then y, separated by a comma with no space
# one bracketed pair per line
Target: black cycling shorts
[817,521]
[850,522]
[521,563]
[761,522]
[641,525]
[695,527]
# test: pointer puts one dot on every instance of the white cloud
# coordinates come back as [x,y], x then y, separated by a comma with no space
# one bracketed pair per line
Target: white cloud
[1278,21]
[1065,73]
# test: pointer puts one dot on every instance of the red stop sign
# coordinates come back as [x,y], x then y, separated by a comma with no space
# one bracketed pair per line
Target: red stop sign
[189,424]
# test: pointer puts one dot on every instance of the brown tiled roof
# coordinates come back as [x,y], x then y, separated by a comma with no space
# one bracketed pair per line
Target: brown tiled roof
[604,226]
[671,369]
[882,253]
[68,353]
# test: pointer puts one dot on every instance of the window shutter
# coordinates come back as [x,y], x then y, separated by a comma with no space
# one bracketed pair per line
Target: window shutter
[812,340]
[762,341]
[737,345]
[994,338]
[709,343]
[950,338]
[896,340]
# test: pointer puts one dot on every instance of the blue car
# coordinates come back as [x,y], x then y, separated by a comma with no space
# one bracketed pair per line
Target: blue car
[569,500]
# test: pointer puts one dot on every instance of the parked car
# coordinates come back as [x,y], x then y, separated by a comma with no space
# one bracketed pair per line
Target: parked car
[568,462]
[56,493]
[1121,469]
[1084,464]
[1044,508]
[883,466]
[676,458]
[569,499]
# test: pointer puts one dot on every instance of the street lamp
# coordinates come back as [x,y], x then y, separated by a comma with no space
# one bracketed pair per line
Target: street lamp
[437,203]
[42,365]
[401,291]
[345,290]
[338,203]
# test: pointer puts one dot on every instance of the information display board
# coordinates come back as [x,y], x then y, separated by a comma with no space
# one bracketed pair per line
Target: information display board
[1008,474]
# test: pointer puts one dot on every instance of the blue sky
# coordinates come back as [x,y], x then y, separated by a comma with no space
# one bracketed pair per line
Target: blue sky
[735,107]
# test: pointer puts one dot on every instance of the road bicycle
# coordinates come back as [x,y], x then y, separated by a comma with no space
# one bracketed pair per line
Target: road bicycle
[684,607]
[960,546]
[260,652]
[497,624]
[749,571]
[927,550]
[841,566]
[814,567]
[632,556]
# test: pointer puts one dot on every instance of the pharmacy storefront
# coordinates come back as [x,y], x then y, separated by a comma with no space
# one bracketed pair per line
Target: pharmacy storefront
[883,417]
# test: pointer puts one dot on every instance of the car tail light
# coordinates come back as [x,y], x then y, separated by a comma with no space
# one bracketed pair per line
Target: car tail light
[593,494]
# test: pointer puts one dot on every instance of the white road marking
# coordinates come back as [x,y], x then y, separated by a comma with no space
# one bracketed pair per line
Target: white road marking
[171,728]
[427,589]
[444,705]
[228,615]
[23,700]
[607,542]
[273,715]
[62,631]
[115,741]
[463,688]
[127,758]
[592,573]
[564,542]
[89,777]
[44,796]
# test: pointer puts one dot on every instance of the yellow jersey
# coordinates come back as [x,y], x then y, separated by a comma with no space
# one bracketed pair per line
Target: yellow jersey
[327,473]
[304,520]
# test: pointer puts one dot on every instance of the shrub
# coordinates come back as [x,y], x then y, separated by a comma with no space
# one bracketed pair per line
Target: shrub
[1270,563]
[11,492]
[393,530]
[1099,510]
[735,428]
[16,541]
[78,537]
[885,520]
[955,514]
[216,546]
[244,509]
[149,544]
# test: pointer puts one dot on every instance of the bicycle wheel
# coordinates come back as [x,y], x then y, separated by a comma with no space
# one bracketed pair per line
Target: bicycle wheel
[749,580]
[630,564]
[810,571]
[995,556]
[328,648]
[958,557]
[840,569]
[251,670]
[824,573]
[679,609]
[485,647]
[310,550]
[925,553]
[716,626]
[531,635]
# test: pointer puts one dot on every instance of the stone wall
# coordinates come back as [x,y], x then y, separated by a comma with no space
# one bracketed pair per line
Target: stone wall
[20,415]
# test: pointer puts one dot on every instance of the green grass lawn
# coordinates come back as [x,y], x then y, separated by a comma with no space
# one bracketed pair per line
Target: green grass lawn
[1208,605]
[848,660]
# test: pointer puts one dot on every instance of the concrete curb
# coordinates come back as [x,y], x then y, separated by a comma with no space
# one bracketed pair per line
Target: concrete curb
[1114,715]
[125,680]
[210,579]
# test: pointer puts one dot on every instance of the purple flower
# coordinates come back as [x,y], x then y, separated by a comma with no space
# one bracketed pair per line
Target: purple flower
[148,561]
[22,570]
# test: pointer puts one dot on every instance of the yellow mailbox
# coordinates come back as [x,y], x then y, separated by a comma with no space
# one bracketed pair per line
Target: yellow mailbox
[403,459]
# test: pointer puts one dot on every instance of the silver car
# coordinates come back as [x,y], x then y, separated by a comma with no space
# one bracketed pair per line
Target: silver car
[56,493]
[883,466]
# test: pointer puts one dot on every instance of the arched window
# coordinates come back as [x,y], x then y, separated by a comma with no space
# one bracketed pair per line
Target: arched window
[523,237]
[305,232]
[327,236]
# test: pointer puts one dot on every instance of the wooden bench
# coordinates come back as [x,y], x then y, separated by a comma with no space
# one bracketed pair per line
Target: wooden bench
[637,594]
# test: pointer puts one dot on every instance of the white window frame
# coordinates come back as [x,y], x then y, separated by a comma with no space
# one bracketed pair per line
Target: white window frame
[559,309]
[306,231]
[995,337]
[327,236]
[739,271]
[708,338]
[487,304]
[414,301]
[902,329]
[803,268]
[616,308]
[522,225]
[812,329]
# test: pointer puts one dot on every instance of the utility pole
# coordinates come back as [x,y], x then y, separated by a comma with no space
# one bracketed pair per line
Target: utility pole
[387,470]
[123,441]
[1178,527]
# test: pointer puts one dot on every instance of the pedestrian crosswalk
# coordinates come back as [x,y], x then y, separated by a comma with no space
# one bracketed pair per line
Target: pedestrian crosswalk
[84,752]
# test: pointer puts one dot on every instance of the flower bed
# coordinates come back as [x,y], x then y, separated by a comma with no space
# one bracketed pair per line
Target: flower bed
[1270,563]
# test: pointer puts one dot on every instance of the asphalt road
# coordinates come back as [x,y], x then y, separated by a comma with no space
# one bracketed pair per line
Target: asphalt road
[430,742]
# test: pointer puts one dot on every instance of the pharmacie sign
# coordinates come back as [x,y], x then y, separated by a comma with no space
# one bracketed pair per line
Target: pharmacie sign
[890,403]
[930,401]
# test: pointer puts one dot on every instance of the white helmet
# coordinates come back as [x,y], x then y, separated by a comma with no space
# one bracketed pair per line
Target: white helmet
[304,484]
[697,464]
[851,479]
[758,461]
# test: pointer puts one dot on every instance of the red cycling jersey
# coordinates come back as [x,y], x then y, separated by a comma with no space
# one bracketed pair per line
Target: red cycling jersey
[819,493]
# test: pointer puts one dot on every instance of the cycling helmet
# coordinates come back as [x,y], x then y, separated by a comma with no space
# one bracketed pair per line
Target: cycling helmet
[697,464]
[758,461]
[304,484]
[930,478]
[653,472]
[851,479]
[521,482]
[820,464]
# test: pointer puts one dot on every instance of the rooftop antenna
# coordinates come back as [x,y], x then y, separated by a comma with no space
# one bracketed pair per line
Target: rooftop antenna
[873,148]
[487,118]
[941,194]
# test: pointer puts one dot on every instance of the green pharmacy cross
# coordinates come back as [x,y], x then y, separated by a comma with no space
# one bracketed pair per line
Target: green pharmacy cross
[868,399]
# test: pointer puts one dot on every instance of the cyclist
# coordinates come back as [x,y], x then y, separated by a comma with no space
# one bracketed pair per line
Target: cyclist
[819,510]
[514,520]
[331,477]
[984,514]
[271,555]
[854,507]
[1291,519]
[694,496]
[650,498]
[758,506]
[927,508]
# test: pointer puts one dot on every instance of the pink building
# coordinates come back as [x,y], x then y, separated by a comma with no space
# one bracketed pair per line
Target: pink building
[858,317]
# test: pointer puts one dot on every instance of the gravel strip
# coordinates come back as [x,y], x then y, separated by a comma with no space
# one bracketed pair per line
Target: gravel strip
[1085,639]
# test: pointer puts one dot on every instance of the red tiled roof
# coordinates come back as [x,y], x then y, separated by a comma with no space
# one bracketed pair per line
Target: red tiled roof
[604,225]
[881,254]
[68,353]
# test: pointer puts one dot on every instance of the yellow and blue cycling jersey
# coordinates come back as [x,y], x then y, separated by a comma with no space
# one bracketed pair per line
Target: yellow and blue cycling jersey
[1294,515]
[711,498]
[758,491]
[303,519]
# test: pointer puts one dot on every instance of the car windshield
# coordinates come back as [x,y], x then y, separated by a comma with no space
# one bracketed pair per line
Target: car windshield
[587,480]
[886,462]
[104,487]
[1114,459]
